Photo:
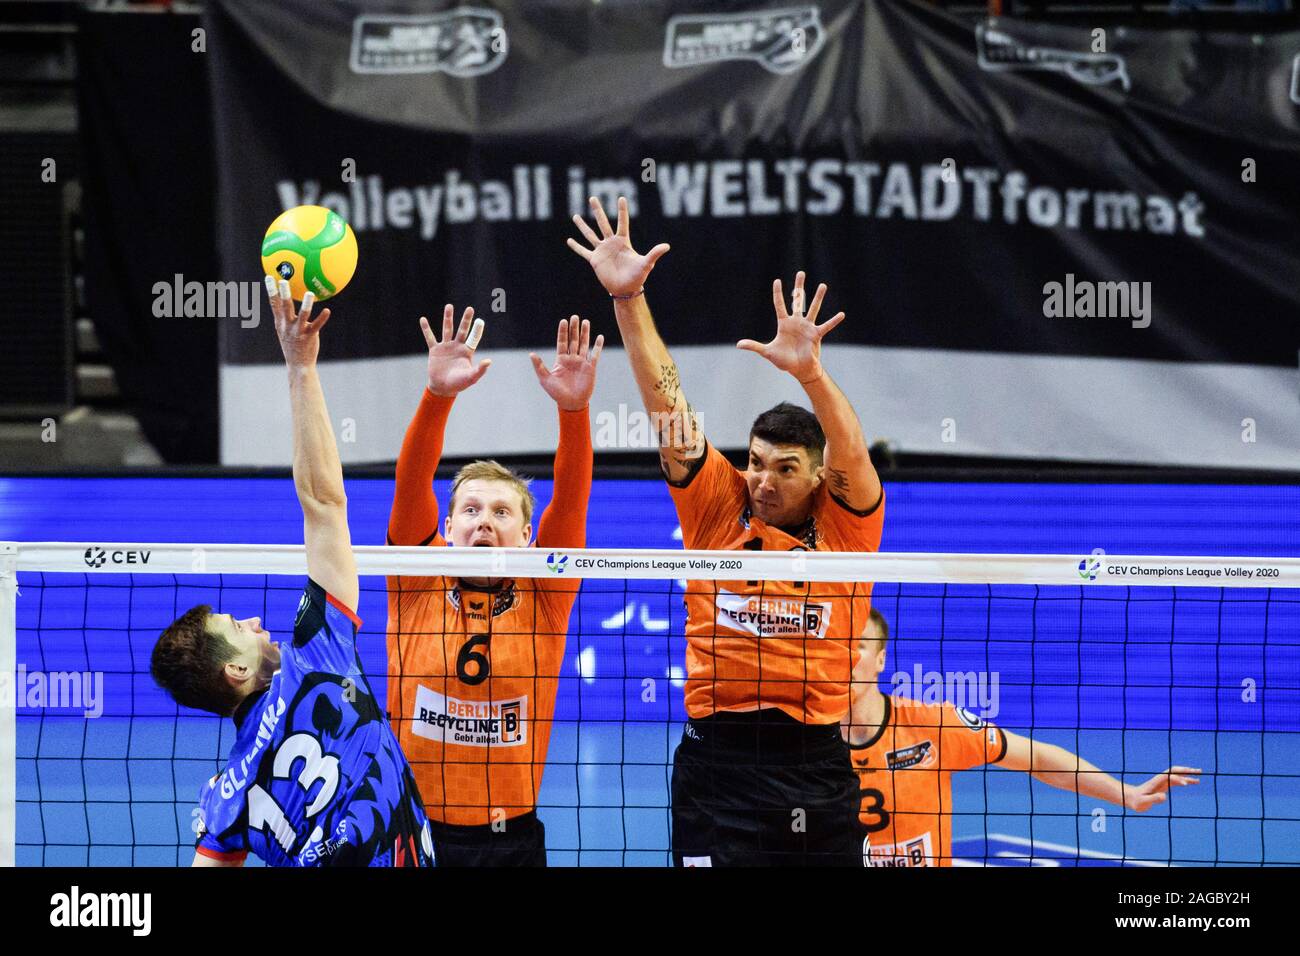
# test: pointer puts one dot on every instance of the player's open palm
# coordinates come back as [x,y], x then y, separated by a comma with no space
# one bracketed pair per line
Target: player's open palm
[797,347]
[571,380]
[1146,795]
[620,268]
[299,335]
[451,360]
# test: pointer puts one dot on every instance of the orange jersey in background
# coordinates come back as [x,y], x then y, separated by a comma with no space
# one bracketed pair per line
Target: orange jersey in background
[783,644]
[905,775]
[473,674]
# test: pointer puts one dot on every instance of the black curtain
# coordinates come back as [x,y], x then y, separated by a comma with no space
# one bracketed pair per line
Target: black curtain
[148,182]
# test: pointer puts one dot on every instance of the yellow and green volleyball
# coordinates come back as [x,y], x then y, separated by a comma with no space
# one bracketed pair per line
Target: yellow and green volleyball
[313,248]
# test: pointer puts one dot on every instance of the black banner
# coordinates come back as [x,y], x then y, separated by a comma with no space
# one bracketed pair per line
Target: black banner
[147,176]
[1022,221]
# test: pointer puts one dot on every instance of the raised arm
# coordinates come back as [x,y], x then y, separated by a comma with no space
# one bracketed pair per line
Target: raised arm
[623,271]
[796,349]
[414,517]
[569,384]
[1057,767]
[317,472]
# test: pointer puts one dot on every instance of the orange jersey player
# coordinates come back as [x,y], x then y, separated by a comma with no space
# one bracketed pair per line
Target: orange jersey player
[768,664]
[474,663]
[905,753]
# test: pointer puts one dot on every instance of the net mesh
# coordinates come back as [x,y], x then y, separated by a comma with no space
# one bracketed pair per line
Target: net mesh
[1133,677]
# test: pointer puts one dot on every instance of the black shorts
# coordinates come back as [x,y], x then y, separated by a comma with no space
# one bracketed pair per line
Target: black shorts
[522,842]
[763,789]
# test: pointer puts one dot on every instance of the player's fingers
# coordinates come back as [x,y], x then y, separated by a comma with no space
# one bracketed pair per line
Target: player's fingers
[447,313]
[575,335]
[829,324]
[622,216]
[561,338]
[466,320]
[815,306]
[538,365]
[480,371]
[597,349]
[796,301]
[427,332]
[1192,770]
[584,341]
[778,300]
[286,300]
[656,253]
[272,294]
[601,219]
[586,232]
[320,320]
[475,334]
[579,247]
[749,345]
[304,310]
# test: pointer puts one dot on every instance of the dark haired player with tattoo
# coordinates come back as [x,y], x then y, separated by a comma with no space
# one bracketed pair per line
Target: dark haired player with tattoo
[762,775]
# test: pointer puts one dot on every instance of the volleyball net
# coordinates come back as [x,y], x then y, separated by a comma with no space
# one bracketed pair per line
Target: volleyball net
[1133,663]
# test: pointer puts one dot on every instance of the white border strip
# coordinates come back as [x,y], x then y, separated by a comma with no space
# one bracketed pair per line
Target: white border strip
[1054,569]
[8,713]
[926,401]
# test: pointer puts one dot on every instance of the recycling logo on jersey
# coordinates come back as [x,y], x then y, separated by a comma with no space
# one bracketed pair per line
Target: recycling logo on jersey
[772,616]
[471,723]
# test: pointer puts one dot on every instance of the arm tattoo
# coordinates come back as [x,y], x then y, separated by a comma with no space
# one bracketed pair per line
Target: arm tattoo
[669,382]
[679,430]
[839,482]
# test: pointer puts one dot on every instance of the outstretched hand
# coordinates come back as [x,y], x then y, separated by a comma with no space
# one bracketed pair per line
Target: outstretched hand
[797,347]
[619,267]
[573,378]
[299,336]
[451,361]
[1146,795]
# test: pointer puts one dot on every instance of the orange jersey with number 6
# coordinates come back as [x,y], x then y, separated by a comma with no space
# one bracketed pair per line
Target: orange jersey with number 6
[472,674]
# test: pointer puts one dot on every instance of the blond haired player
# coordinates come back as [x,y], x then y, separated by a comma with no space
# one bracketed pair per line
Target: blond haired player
[761,775]
[474,663]
[905,753]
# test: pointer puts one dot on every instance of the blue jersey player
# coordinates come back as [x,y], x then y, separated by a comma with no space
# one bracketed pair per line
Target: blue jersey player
[316,776]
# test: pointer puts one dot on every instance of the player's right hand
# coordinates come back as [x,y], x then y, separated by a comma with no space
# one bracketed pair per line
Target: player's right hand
[451,361]
[1146,795]
[619,267]
[299,335]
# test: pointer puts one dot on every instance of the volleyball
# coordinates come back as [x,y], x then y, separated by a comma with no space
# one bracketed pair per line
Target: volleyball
[313,248]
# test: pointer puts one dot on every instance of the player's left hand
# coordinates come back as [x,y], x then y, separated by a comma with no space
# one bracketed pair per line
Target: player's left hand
[1144,796]
[299,335]
[797,348]
[573,378]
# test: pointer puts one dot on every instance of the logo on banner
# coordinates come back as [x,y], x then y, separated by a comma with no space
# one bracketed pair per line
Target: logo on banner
[471,723]
[1295,80]
[772,617]
[556,562]
[465,41]
[999,51]
[778,40]
[96,557]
